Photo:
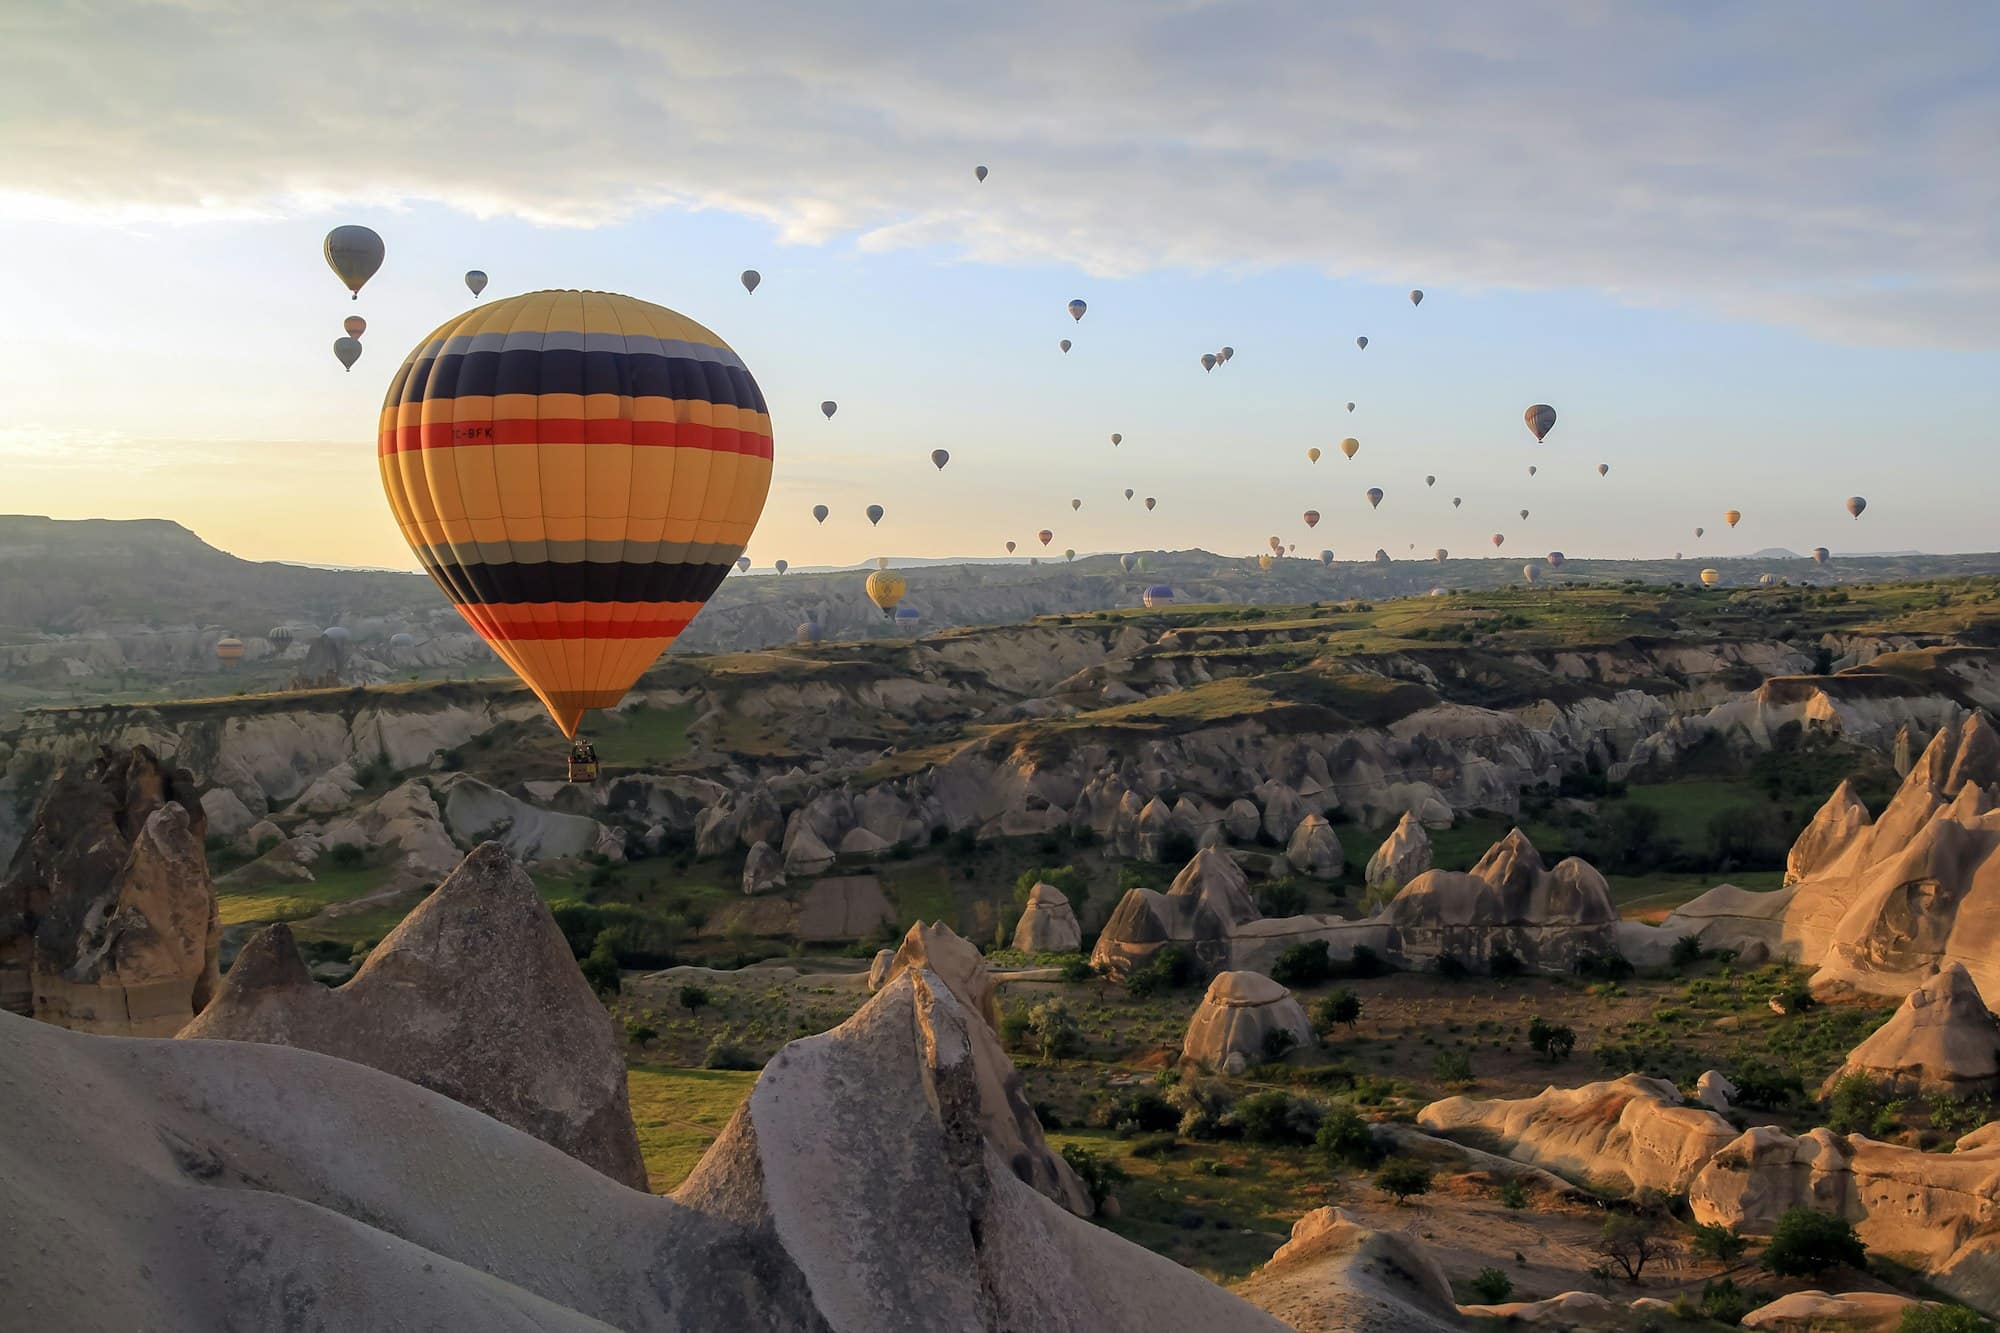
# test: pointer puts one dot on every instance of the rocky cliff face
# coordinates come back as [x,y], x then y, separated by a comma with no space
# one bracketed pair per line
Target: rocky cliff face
[107,915]
[475,995]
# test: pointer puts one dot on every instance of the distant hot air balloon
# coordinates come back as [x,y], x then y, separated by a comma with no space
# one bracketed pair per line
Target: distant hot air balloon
[1158,595]
[979,173]
[1430,481]
[1530,572]
[1128,492]
[1362,343]
[1438,592]
[1116,439]
[1416,297]
[1150,502]
[1711,577]
[1374,497]
[1069,553]
[1532,469]
[885,588]
[347,351]
[939,458]
[1603,468]
[1350,407]
[475,281]
[751,277]
[906,618]
[1524,515]
[1699,531]
[1456,502]
[1381,556]
[1045,536]
[1075,505]
[1208,361]
[578,634]
[336,634]
[1499,538]
[1064,344]
[1541,419]
[1076,309]
[1855,504]
[1556,559]
[828,408]
[1765,580]
[781,565]
[1312,518]
[820,512]
[1128,563]
[1226,354]
[1326,557]
[229,650]
[1677,555]
[1441,554]
[355,326]
[353,253]
[1733,517]
[403,640]
[1350,446]
[874,513]
[1277,547]
[881,562]
[1264,563]
[743,564]
[1010,548]
[810,631]
[1312,454]
[279,636]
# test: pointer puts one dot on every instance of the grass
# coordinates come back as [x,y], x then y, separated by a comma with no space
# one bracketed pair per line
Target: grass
[642,737]
[1650,897]
[921,891]
[289,902]
[679,1112]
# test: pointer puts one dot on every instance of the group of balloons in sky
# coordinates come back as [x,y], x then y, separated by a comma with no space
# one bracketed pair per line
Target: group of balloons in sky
[505,380]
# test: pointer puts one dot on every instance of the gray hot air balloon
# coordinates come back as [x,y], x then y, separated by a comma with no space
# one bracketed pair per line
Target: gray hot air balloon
[1855,504]
[353,253]
[347,351]
[1441,554]
[1416,297]
[1430,480]
[1556,559]
[1128,492]
[810,631]
[1456,502]
[751,277]
[1116,439]
[1350,407]
[828,408]
[1524,515]
[1075,504]
[1362,343]
[939,458]
[781,565]
[1326,557]
[820,512]
[280,636]
[1150,502]
[1381,556]
[1064,344]
[874,513]
[475,281]
[743,564]
[1532,469]
[1076,308]
[1531,572]
[979,173]
[1699,531]
[1820,556]
[336,634]
[1374,497]
[1128,563]
[1226,354]
[1603,468]
[1541,419]
[1208,361]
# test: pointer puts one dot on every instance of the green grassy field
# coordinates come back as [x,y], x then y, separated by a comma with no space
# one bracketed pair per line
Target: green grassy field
[289,902]
[679,1112]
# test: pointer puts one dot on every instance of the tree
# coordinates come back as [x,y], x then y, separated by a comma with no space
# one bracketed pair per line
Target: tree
[693,998]
[1097,1174]
[600,966]
[1404,1178]
[1345,1139]
[1054,1030]
[1807,1242]
[1553,1040]
[1720,1243]
[1342,1008]
[1632,1243]
[1492,1286]
[1303,964]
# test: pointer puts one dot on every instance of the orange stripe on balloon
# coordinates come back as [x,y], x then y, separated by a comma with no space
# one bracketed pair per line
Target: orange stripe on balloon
[575,430]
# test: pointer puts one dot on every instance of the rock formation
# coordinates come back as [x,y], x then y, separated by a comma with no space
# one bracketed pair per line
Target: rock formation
[1547,918]
[1048,925]
[107,914]
[1201,909]
[1880,906]
[763,869]
[853,1192]
[1336,1275]
[475,995]
[1314,849]
[1628,1134]
[1824,1312]
[1235,1024]
[1936,1212]
[1403,855]
[1942,1039]
[1003,1112]
[1714,1090]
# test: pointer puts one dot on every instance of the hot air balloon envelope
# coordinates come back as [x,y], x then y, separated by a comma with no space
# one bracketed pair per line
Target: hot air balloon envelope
[874,513]
[751,277]
[347,351]
[475,281]
[1541,419]
[1076,309]
[1374,497]
[353,253]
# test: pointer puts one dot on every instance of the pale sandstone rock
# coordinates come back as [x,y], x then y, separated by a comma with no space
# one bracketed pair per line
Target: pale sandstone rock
[1049,924]
[1822,1312]
[860,842]
[763,869]
[1546,917]
[1236,1018]
[475,811]
[225,812]
[1714,1090]
[1943,1039]
[806,855]
[1336,1275]
[1403,855]
[1241,821]
[1314,849]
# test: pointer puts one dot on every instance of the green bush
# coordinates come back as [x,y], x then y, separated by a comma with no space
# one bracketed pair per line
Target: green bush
[1341,1008]
[1807,1242]
[1943,1319]
[1054,1030]
[1344,1138]
[1363,964]
[1504,962]
[1278,1043]
[1014,1027]
[1513,1194]
[1725,1302]
[1492,1286]
[1282,897]
[725,1055]
[1552,1041]
[1205,1107]
[1304,964]
[1098,1174]
[1171,969]
[1078,969]
[1452,1067]
[346,856]
[1139,1111]
[600,966]
[1404,1178]
[1720,1243]
[638,1032]
[692,998]
[1686,953]
[1855,1103]
[1278,1117]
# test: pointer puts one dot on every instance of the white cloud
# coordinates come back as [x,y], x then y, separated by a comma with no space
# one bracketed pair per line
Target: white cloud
[1828,168]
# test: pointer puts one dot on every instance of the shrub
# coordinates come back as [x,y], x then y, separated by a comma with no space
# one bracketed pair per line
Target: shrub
[1204,1106]
[1943,1319]
[1451,967]
[1806,1242]
[1169,969]
[1725,1302]
[638,1032]
[1304,964]
[1278,1117]
[600,966]
[1686,953]
[1097,1173]
[1720,1243]
[693,998]
[1067,878]
[1513,1194]
[1771,1091]
[1404,1178]
[1492,1286]
[1278,1043]
[1282,897]
[1504,962]
[722,1054]
[1345,1138]
[1156,1145]
[1054,1030]
[345,855]
[1341,1008]
[1854,1104]
[1078,969]
[1603,966]
[1014,1027]
[1552,1041]
[1140,1111]
[1452,1066]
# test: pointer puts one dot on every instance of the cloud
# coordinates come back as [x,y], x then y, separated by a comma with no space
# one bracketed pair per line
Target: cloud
[1826,169]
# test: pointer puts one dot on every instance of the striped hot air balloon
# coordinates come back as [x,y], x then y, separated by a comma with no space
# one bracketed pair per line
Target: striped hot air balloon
[229,650]
[577,471]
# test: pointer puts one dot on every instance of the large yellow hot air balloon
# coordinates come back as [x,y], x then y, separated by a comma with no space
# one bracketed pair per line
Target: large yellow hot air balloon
[1711,577]
[1351,446]
[1733,517]
[885,589]
[577,471]
[1264,562]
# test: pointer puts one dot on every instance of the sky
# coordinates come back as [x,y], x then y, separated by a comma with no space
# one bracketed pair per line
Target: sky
[1751,254]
